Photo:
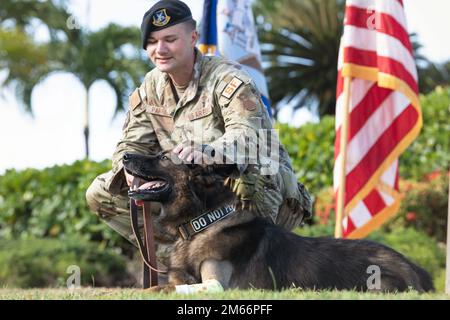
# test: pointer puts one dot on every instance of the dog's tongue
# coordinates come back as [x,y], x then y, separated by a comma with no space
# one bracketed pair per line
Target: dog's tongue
[151,184]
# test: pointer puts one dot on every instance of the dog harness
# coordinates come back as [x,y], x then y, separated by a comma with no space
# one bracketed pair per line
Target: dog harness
[200,223]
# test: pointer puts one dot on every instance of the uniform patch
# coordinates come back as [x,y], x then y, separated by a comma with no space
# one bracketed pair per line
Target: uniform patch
[249,104]
[203,112]
[135,99]
[161,111]
[209,218]
[231,88]
[160,18]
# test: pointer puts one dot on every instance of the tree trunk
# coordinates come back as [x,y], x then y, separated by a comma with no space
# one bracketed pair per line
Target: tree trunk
[86,124]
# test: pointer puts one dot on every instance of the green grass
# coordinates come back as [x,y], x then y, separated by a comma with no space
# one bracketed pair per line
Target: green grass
[137,294]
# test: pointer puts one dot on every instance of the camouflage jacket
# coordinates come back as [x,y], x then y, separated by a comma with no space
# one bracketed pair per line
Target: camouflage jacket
[219,106]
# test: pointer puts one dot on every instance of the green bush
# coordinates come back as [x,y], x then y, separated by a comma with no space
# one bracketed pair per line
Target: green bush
[311,148]
[51,203]
[431,150]
[45,262]
[424,207]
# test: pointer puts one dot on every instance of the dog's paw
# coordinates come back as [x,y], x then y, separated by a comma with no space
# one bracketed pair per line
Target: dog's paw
[161,289]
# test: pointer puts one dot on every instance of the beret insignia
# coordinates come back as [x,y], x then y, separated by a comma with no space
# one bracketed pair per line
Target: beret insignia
[160,18]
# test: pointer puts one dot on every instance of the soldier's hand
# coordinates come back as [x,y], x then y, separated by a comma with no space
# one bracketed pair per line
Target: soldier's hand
[191,153]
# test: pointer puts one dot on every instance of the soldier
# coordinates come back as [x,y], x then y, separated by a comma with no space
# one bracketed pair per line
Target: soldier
[192,100]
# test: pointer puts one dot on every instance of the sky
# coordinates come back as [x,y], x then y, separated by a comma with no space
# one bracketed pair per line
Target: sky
[55,134]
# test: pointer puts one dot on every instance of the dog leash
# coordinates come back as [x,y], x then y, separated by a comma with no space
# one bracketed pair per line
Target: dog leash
[146,248]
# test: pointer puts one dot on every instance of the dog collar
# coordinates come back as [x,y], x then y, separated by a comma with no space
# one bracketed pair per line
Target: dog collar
[200,223]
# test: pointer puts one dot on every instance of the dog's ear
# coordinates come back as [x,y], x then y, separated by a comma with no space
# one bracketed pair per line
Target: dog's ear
[207,183]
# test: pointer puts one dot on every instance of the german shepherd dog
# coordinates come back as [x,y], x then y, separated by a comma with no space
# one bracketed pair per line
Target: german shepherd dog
[222,241]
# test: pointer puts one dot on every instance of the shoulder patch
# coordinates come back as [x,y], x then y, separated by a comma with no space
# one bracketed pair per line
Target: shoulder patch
[135,99]
[231,88]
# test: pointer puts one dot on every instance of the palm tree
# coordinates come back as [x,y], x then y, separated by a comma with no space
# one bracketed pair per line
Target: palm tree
[432,75]
[300,44]
[111,54]
[25,62]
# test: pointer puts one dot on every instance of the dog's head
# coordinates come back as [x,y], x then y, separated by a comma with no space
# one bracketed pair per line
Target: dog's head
[192,186]
[156,182]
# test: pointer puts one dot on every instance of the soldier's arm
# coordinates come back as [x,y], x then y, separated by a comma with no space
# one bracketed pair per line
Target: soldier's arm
[244,116]
[138,136]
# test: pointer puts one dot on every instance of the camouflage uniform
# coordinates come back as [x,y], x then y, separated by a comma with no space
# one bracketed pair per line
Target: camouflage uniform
[219,106]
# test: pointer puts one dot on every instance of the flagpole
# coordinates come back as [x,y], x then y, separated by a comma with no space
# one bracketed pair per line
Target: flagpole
[447,273]
[343,152]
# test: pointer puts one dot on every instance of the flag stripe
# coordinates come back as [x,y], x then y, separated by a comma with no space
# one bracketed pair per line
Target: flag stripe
[363,111]
[384,64]
[377,154]
[387,198]
[359,90]
[390,7]
[360,216]
[375,222]
[384,45]
[389,177]
[375,126]
[374,202]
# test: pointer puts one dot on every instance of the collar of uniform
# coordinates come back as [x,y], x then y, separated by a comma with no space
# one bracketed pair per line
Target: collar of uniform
[191,90]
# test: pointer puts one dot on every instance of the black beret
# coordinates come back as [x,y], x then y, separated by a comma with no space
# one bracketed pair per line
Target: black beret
[164,14]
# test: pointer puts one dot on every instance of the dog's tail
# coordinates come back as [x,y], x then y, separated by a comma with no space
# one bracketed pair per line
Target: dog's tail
[425,280]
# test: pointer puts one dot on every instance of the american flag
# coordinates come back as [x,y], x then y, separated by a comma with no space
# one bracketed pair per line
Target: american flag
[228,29]
[384,111]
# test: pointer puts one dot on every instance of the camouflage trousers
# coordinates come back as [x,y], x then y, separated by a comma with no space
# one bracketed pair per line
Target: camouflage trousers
[114,211]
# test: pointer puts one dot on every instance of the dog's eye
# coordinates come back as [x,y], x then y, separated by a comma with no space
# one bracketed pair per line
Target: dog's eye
[163,157]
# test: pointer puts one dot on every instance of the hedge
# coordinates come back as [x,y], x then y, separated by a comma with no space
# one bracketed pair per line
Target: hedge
[35,263]
[51,203]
